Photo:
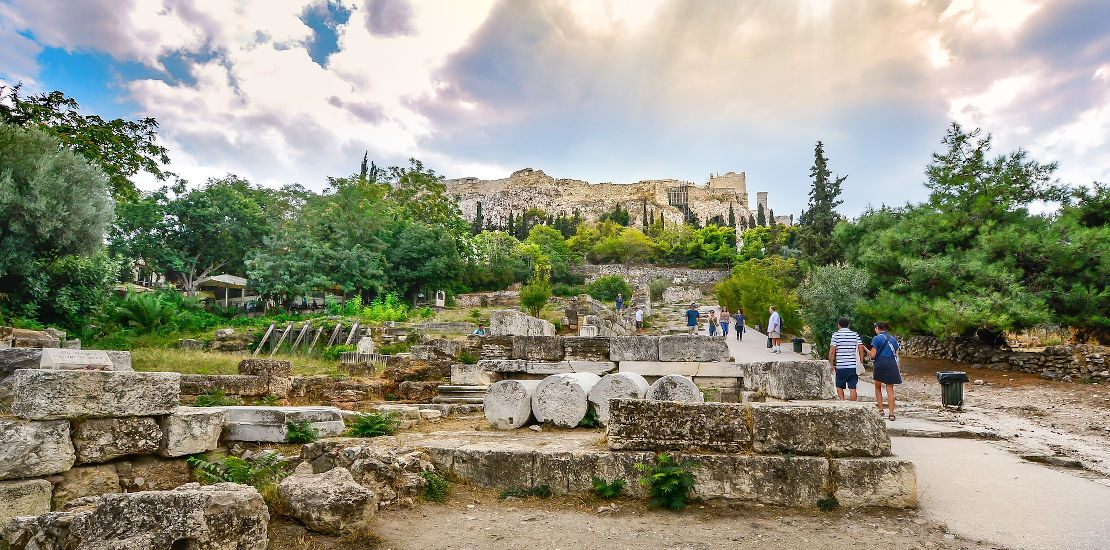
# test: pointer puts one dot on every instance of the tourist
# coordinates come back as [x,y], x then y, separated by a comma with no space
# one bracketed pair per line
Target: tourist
[845,349]
[713,322]
[620,302]
[480,331]
[639,319]
[884,350]
[692,318]
[740,327]
[774,330]
[724,318]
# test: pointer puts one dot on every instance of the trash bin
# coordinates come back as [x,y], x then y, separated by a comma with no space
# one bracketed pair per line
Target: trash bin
[798,344]
[952,388]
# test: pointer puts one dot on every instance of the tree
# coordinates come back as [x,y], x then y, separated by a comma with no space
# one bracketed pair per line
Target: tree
[422,256]
[731,216]
[584,239]
[753,286]
[121,148]
[54,207]
[535,294]
[831,292]
[820,218]
[476,225]
[551,243]
[606,288]
[761,216]
[751,221]
[644,217]
[712,246]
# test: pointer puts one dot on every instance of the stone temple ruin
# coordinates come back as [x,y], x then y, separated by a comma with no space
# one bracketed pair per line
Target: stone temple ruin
[92,453]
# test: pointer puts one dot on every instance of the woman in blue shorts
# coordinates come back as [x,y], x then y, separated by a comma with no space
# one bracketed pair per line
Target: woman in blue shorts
[884,350]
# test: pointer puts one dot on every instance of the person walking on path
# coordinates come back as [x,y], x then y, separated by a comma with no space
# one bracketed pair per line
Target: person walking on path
[713,322]
[739,327]
[639,320]
[884,350]
[774,330]
[692,318]
[724,318]
[846,348]
[620,302]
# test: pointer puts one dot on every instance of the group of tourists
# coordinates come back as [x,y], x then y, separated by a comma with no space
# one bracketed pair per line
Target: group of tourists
[846,358]
[718,322]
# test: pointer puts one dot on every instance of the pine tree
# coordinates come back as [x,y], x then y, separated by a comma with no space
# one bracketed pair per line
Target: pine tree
[731,216]
[363,171]
[820,218]
[761,216]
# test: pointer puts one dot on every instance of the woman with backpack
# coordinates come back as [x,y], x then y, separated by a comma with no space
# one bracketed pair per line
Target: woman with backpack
[884,351]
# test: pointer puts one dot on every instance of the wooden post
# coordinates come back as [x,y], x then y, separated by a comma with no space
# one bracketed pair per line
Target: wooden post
[335,334]
[264,338]
[300,336]
[319,331]
[354,329]
[282,339]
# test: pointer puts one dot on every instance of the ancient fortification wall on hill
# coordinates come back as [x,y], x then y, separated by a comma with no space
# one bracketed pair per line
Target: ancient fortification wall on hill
[529,188]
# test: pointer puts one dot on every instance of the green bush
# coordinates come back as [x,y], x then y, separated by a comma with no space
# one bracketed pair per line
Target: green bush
[535,295]
[216,398]
[541,491]
[388,307]
[565,290]
[436,487]
[828,293]
[669,483]
[332,353]
[373,424]
[468,358]
[394,349]
[268,400]
[513,491]
[589,420]
[607,490]
[828,504]
[301,432]
[606,288]
[261,471]
[144,311]
[656,288]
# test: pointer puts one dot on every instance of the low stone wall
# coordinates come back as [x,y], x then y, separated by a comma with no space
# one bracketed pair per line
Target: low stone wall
[1069,362]
[641,275]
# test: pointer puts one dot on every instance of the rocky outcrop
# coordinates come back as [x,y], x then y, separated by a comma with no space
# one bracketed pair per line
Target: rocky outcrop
[330,502]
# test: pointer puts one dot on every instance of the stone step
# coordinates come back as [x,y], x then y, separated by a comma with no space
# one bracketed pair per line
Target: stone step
[459,400]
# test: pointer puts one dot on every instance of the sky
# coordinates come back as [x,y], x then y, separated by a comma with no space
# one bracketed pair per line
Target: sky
[294,91]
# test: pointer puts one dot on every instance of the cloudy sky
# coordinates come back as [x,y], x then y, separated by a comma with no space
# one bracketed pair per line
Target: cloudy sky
[283,91]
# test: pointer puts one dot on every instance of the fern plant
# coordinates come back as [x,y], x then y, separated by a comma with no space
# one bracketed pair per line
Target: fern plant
[261,471]
[216,398]
[668,482]
[607,490]
[373,424]
[435,486]
[301,432]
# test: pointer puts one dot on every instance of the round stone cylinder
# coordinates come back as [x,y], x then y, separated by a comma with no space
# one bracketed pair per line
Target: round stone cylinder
[614,386]
[508,403]
[562,398]
[675,387]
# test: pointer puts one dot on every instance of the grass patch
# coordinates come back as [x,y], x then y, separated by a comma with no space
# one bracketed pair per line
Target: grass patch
[215,362]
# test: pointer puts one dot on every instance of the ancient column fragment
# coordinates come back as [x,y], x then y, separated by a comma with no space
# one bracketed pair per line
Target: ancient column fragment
[615,386]
[562,398]
[508,403]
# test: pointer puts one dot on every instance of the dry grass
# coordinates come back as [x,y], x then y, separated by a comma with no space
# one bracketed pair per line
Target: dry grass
[214,362]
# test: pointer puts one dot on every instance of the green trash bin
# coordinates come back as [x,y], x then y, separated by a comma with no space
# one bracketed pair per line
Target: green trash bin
[952,388]
[798,344]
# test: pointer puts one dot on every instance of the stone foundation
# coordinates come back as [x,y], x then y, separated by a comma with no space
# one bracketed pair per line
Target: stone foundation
[1071,363]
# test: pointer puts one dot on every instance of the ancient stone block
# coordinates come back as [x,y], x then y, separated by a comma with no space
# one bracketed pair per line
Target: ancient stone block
[796,481]
[192,430]
[634,348]
[503,365]
[673,387]
[561,398]
[268,424]
[497,347]
[508,322]
[32,358]
[588,331]
[596,367]
[190,344]
[102,439]
[636,424]
[232,384]
[659,368]
[494,464]
[85,481]
[330,502]
[621,385]
[266,367]
[791,380]
[57,358]
[225,516]
[463,374]
[508,403]
[538,348]
[26,497]
[151,473]
[888,482]
[832,428]
[47,394]
[29,448]
[25,338]
[685,347]
[586,349]
[547,368]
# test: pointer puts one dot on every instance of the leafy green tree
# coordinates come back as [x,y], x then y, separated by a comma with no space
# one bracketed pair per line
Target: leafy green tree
[535,294]
[831,292]
[582,242]
[54,207]
[121,148]
[552,244]
[756,285]
[820,217]
[423,256]
[606,288]
[712,246]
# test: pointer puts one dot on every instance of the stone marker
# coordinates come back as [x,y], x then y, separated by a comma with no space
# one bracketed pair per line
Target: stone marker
[58,358]
[224,516]
[330,502]
[29,449]
[587,331]
[26,497]
[102,439]
[562,398]
[365,345]
[49,394]
[615,386]
[673,387]
[508,403]
[192,430]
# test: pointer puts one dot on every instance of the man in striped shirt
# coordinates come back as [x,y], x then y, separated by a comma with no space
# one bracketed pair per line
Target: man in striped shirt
[844,350]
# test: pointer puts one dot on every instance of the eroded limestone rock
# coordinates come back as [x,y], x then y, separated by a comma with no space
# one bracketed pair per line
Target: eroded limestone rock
[102,439]
[50,394]
[34,448]
[642,425]
[685,347]
[330,502]
[889,482]
[829,428]
[85,481]
[192,430]
[25,497]
[538,348]
[634,348]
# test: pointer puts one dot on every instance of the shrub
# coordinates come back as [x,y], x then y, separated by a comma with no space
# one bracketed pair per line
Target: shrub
[388,307]
[513,491]
[607,490]
[468,358]
[268,400]
[373,424]
[668,482]
[261,471]
[534,296]
[656,288]
[542,491]
[828,504]
[606,288]
[301,432]
[394,349]
[145,312]
[828,293]
[436,487]
[216,398]
[589,420]
[332,353]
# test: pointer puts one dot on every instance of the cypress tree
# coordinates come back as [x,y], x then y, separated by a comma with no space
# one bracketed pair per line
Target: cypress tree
[512,228]
[731,216]
[820,217]
[476,226]
[751,221]
[761,216]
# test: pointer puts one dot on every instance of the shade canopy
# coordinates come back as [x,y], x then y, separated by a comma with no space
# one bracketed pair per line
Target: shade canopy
[224,281]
